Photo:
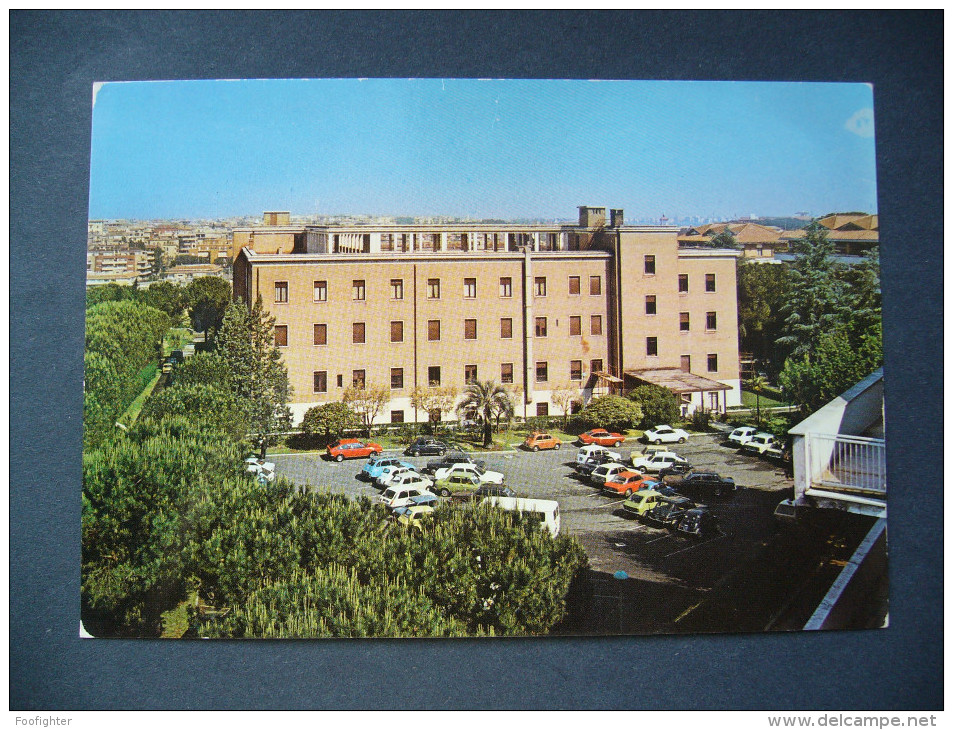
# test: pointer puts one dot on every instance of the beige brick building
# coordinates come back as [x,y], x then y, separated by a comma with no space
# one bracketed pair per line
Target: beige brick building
[593,307]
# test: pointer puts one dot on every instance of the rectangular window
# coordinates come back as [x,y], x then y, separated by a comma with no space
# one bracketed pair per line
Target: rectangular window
[651,346]
[433,330]
[357,333]
[686,363]
[281,335]
[320,291]
[650,265]
[575,369]
[433,288]
[506,328]
[595,285]
[396,288]
[709,282]
[397,331]
[683,322]
[320,381]
[595,324]
[683,283]
[396,416]
[542,409]
[573,284]
[320,334]
[542,372]
[469,288]
[711,321]
[396,378]
[539,286]
[575,326]
[506,286]
[469,329]
[595,366]
[506,372]
[357,290]
[713,363]
[433,375]
[281,292]
[357,378]
[340,381]
[469,373]
[650,306]
[540,326]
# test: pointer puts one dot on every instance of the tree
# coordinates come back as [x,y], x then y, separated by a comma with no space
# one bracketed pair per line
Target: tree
[762,292]
[756,384]
[205,368]
[215,406]
[259,378]
[659,405]
[434,401]
[208,298]
[612,412]
[367,401]
[725,239]
[487,400]
[166,296]
[329,420]
[563,396]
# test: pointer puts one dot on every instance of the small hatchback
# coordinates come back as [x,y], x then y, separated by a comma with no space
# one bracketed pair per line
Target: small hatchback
[602,474]
[641,502]
[536,441]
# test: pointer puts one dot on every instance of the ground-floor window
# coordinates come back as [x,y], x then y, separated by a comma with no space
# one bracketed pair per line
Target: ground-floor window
[396,416]
[542,409]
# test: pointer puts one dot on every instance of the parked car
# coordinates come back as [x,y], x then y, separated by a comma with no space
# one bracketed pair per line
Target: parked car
[603,473]
[602,437]
[375,467]
[586,468]
[483,476]
[741,435]
[399,496]
[759,443]
[453,456]
[264,470]
[657,462]
[536,441]
[641,502]
[455,484]
[389,473]
[665,434]
[412,516]
[698,522]
[410,480]
[674,470]
[648,450]
[426,446]
[352,449]
[586,452]
[780,452]
[493,490]
[625,483]
[707,482]
[669,511]
[427,498]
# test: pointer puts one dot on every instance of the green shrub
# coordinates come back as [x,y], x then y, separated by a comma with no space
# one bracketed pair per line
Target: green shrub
[608,411]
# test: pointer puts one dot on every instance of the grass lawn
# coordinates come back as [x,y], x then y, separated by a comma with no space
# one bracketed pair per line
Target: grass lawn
[132,412]
[749,399]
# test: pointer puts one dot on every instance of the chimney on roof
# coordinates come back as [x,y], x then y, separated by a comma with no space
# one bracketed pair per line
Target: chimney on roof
[616,218]
[277,218]
[590,217]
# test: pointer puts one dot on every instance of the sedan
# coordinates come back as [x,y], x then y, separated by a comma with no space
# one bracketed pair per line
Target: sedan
[375,467]
[493,490]
[665,434]
[483,476]
[708,482]
[427,446]
[602,437]
[625,483]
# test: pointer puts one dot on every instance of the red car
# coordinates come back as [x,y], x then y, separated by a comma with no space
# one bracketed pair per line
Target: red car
[602,437]
[352,449]
[625,483]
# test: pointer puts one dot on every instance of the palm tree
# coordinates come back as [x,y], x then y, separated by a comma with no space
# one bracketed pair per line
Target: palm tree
[486,400]
[756,384]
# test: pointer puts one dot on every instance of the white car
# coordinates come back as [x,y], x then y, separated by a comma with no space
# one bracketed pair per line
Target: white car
[400,496]
[604,472]
[658,461]
[741,436]
[483,475]
[262,469]
[410,479]
[665,434]
[587,452]
[759,443]
[389,472]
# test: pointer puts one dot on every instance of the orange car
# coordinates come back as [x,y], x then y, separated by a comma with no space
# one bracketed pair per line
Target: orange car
[602,437]
[536,441]
[352,449]
[625,483]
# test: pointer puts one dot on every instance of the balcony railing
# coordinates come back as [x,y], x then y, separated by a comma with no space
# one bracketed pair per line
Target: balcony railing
[846,463]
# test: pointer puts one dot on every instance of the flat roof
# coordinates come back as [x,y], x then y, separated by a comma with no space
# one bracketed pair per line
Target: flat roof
[677,380]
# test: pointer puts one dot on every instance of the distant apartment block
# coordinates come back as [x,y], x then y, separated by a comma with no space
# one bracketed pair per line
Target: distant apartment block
[595,307]
[125,263]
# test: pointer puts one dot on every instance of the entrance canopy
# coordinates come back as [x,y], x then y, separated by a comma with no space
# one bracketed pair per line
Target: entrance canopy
[676,380]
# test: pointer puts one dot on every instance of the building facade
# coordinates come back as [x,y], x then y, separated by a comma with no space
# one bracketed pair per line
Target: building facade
[590,308]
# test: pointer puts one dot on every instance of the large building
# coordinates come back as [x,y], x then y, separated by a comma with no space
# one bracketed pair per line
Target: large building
[593,307]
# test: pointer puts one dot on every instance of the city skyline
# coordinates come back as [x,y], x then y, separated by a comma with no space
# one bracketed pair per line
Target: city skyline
[502,149]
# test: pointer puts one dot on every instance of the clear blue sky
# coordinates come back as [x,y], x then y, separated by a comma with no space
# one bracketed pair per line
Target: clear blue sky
[502,149]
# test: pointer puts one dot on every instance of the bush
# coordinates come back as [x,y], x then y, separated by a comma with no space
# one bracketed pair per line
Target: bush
[659,405]
[608,411]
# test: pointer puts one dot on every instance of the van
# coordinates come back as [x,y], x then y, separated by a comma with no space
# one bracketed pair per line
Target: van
[545,511]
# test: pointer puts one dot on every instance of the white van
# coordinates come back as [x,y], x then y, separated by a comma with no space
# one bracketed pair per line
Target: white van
[587,452]
[544,510]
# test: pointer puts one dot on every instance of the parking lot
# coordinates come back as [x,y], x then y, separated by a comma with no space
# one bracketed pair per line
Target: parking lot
[671,571]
